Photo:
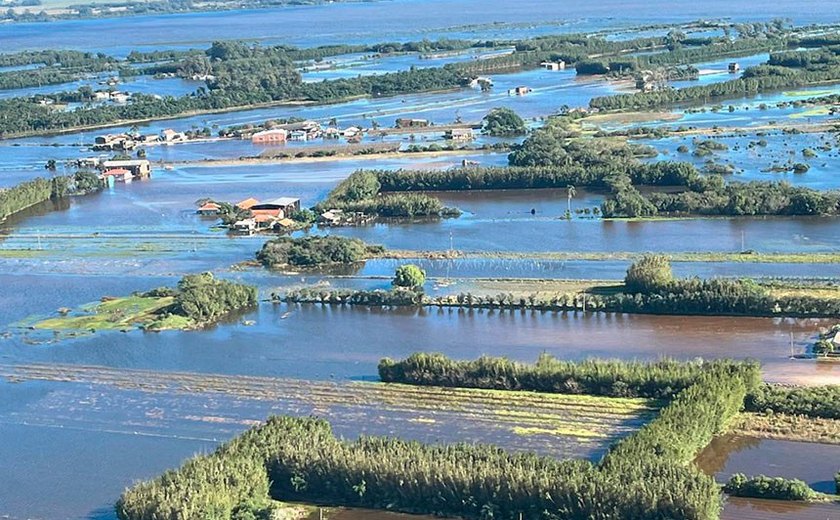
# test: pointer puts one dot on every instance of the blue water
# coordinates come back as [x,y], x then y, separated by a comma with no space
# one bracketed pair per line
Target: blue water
[388,21]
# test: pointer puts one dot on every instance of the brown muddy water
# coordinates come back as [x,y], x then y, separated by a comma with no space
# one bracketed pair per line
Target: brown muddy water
[757,509]
[816,464]
[322,342]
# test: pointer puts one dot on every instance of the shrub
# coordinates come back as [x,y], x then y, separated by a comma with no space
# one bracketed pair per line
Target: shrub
[409,276]
[312,251]
[766,487]
[651,273]
[503,122]
[203,298]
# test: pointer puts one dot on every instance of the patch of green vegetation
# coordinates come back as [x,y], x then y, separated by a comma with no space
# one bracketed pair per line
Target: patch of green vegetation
[814,93]
[788,427]
[198,300]
[22,253]
[812,112]
[112,314]
[560,432]
[170,322]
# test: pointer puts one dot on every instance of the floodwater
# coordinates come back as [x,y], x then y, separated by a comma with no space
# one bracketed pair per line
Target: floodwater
[281,345]
[135,85]
[386,21]
[118,416]
[753,156]
[757,509]
[815,464]
[87,441]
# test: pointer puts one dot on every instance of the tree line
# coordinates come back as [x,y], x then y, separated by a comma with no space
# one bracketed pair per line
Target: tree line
[649,288]
[755,80]
[38,190]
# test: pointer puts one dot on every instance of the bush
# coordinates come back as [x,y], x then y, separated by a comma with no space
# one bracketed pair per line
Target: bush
[409,276]
[650,274]
[503,122]
[204,299]
[766,487]
[313,251]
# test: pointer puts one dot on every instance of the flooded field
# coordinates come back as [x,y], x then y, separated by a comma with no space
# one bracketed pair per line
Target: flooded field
[180,413]
[766,156]
[758,509]
[86,416]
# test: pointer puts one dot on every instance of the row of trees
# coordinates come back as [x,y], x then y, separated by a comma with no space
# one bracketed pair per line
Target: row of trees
[775,488]
[360,193]
[713,196]
[303,461]
[817,401]
[39,190]
[661,380]
[754,80]
[649,289]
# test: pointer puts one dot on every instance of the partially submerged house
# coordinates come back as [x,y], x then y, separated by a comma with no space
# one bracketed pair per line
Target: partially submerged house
[459,134]
[407,122]
[273,136]
[112,142]
[208,209]
[285,205]
[139,168]
[114,175]
[302,131]
[247,203]
[554,65]
[171,136]
[519,91]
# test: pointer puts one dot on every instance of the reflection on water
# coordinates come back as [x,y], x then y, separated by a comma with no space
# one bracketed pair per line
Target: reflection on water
[758,509]
[320,342]
[816,464]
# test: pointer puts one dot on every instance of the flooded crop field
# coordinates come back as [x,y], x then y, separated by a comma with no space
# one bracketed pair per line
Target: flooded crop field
[186,412]
[84,414]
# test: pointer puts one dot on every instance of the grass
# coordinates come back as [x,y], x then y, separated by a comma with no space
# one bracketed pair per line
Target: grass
[547,287]
[114,314]
[787,427]
[631,117]
[812,93]
[562,432]
[22,253]
[812,112]
[817,292]
[769,258]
